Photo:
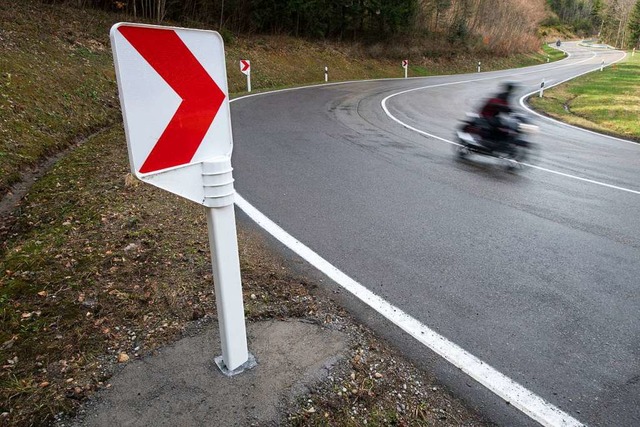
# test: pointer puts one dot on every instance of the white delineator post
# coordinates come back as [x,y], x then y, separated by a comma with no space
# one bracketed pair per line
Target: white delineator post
[187,153]
[245,68]
[221,223]
[326,74]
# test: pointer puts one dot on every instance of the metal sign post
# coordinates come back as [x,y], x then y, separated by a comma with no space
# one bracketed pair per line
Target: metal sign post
[223,243]
[173,92]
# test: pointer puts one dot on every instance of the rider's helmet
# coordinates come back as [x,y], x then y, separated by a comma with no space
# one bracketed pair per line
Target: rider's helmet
[509,87]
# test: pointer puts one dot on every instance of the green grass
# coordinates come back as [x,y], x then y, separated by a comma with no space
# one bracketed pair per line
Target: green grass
[56,82]
[552,53]
[607,101]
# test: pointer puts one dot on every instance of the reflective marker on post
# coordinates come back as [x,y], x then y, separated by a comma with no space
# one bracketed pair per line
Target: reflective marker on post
[245,68]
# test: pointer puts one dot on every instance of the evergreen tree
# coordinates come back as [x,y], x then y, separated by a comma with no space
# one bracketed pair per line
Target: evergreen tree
[597,9]
[634,26]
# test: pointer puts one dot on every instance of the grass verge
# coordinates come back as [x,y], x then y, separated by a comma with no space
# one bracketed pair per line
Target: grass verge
[552,54]
[607,101]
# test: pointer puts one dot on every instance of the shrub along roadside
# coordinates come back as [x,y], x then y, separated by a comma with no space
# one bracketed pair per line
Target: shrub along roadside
[607,101]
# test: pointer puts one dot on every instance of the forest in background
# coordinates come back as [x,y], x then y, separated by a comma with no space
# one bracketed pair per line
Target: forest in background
[616,22]
[502,27]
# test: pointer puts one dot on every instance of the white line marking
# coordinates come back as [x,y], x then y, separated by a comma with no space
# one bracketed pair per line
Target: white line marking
[509,390]
[590,181]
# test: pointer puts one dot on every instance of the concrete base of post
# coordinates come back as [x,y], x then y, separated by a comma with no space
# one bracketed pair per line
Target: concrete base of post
[249,364]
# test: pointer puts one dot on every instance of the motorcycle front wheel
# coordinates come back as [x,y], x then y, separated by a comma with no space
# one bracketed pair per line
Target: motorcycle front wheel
[462,151]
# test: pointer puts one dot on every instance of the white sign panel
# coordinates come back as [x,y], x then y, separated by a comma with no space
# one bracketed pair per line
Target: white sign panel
[174,98]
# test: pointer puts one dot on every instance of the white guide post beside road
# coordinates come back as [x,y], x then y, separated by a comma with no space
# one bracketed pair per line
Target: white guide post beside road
[173,91]
[245,68]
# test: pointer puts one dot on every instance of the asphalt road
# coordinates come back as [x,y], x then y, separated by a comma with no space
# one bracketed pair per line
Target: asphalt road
[536,273]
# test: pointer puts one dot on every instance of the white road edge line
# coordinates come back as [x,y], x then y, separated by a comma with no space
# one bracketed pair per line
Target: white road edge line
[526,401]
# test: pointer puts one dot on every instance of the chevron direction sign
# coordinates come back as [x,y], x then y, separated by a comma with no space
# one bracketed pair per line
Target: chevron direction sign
[174,99]
[175,104]
[245,66]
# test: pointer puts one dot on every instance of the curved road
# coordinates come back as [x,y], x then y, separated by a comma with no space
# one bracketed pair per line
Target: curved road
[535,273]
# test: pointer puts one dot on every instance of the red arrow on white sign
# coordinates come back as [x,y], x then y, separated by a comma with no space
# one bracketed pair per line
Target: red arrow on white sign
[173,93]
[245,66]
[201,96]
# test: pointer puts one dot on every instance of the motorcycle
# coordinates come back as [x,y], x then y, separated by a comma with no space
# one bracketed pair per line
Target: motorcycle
[476,136]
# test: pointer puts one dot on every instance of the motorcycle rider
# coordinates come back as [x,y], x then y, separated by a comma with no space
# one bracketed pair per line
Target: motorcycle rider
[493,109]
